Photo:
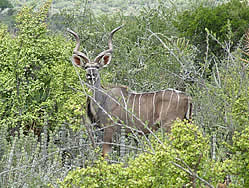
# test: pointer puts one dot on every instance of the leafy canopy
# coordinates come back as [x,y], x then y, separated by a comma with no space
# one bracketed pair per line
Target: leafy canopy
[193,23]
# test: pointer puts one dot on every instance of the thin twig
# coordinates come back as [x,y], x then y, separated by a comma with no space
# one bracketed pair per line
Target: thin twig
[189,171]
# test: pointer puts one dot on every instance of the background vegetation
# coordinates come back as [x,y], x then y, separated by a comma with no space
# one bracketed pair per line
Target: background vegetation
[200,47]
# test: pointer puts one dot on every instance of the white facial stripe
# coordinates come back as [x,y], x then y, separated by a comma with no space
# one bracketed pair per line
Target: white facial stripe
[90,75]
[91,68]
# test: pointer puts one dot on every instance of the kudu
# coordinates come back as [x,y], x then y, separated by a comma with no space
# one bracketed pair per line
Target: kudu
[141,111]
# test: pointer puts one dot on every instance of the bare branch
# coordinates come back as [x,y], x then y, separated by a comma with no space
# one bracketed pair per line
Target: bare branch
[189,171]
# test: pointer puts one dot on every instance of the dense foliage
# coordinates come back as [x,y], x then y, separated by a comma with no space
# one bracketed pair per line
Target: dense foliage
[150,170]
[233,16]
[31,94]
[179,160]
[5,4]
[199,47]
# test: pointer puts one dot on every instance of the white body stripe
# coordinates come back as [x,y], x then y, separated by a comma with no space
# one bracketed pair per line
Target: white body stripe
[147,107]
[126,111]
[178,101]
[125,105]
[188,111]
[160,115]
[133,105]
[153,107]
[139,105]
[169,102]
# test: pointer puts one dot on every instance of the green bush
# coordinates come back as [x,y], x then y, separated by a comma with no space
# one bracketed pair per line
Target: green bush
[192,24]
[5,4]
[40,89]
[40,94]
[182,159]
[239,162]
[36,75]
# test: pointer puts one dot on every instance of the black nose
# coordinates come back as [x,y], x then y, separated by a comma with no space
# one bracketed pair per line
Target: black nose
[88,76]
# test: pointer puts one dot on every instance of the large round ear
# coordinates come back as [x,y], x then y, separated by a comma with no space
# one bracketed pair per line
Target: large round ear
[77,61]
[105,60]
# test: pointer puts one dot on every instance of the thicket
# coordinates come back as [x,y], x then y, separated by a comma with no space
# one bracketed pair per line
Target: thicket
[233,16]
[31,95]
[5,4]
[45,138]
[182,159]
[36,101]
[157,168]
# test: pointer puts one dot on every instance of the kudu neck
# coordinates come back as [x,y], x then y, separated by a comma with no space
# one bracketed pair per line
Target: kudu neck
[98,92]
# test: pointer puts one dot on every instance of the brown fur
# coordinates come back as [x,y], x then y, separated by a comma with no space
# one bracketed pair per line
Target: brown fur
[142,111]
[222,185]
[154,109]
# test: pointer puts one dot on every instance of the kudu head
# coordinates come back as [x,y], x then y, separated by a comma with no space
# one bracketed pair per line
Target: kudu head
[92,67]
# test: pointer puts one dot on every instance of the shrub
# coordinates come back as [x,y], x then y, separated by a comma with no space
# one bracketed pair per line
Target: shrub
[5,4]
[34,76]
[234,14]
[238,165]
[182,159]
